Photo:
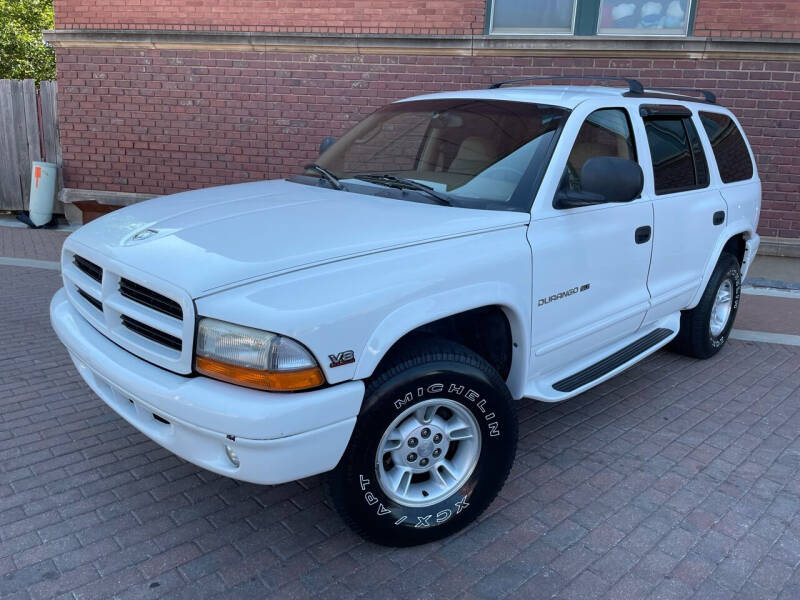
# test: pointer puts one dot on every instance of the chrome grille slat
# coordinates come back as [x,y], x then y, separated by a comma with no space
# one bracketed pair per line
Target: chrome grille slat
[93,301]
[147,297]
[151,333]
[120,305]
[89,268]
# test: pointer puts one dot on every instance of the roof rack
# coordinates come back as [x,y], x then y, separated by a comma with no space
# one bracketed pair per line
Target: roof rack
[710,97]
[634,86]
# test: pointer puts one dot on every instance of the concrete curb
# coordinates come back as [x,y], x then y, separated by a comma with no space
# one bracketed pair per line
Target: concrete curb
[760,282]
[51,265]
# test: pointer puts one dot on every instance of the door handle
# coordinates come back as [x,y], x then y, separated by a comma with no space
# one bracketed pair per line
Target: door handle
[719,217]
[643,234]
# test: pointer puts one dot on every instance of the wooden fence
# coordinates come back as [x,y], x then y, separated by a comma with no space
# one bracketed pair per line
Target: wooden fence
[28,132]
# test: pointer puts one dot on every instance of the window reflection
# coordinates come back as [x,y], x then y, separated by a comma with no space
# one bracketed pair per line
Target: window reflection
[533,16]
[643,17]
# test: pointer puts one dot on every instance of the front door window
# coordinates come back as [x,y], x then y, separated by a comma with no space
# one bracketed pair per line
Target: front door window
[606,132]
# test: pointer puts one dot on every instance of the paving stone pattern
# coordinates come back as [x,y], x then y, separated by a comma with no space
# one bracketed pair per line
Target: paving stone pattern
[40,244]
[677,479]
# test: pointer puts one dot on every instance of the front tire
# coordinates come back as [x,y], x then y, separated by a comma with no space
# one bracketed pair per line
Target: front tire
[705,328]
[432,447]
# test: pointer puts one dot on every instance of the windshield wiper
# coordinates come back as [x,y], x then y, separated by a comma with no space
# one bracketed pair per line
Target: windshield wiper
[332,179]
[402,183]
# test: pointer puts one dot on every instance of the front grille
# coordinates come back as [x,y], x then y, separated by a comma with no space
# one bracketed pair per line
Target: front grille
[149,298]
[88,267]
[157,326]
[151,333]
[93,301]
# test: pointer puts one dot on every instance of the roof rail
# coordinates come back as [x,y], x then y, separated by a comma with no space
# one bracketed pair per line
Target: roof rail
[710,97]
[634,86]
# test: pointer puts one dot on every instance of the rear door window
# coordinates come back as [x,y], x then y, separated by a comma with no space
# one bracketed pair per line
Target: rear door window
[730,149]
[679,163]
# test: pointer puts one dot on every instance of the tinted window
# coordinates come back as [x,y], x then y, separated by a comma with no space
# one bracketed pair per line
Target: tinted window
[700,163]
[729,146]
[605,132]
[394,145]
[678,160]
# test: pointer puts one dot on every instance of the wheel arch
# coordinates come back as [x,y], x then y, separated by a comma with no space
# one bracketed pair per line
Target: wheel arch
[478,308]
[736,245]
[736,241]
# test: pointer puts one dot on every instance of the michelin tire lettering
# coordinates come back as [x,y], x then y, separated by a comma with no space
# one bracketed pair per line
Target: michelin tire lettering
[422,521]
[458,390]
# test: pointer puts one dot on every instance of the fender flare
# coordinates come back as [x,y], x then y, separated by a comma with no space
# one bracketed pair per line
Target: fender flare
[417,313]
[738,227]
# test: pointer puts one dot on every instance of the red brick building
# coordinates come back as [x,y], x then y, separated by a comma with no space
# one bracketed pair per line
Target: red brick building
[159,96]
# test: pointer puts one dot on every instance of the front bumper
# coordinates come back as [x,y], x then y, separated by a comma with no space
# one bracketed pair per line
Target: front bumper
[277,437]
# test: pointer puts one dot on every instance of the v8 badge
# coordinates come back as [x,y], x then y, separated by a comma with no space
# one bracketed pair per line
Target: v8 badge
[342,358]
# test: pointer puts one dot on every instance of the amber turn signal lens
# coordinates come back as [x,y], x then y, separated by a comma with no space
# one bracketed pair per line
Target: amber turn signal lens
[271,381]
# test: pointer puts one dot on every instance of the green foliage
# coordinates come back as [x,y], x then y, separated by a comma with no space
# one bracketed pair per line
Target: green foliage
[23,53]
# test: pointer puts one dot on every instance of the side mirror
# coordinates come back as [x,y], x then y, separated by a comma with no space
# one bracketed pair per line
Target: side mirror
[604,179]
[326,143]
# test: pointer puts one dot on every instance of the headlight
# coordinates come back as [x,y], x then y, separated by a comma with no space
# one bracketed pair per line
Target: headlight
[254,358]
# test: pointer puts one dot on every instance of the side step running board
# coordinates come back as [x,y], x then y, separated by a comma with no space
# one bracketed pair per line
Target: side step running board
[608,364]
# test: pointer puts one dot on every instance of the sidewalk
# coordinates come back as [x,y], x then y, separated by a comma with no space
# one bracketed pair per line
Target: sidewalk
[770,311]
[33,244]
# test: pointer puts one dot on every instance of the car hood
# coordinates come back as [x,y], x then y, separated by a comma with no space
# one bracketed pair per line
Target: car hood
[208,239]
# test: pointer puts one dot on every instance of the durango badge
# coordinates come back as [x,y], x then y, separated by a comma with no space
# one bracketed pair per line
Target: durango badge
[564,294]
[343,358]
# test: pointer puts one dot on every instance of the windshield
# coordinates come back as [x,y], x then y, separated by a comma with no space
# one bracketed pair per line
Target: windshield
[475,153]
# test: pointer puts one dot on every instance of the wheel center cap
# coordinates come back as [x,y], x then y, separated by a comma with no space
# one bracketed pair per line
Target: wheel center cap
[425,448]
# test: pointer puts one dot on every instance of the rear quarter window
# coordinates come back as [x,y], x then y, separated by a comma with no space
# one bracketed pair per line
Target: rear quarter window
[730,149]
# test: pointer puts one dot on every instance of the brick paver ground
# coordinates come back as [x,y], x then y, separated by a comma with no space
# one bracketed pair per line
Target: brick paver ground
[39,244]
[677,479]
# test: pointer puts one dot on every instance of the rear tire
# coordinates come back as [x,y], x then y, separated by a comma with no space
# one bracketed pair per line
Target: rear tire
[705,328]
[433,445]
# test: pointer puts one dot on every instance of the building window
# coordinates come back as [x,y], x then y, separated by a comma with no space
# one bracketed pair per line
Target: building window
[533,16]
[643,17]
[590,17]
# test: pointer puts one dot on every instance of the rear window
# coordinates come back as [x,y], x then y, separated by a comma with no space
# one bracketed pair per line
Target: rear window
[679,163]
[730,149]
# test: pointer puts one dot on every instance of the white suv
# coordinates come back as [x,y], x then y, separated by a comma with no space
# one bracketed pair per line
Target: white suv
[378,315]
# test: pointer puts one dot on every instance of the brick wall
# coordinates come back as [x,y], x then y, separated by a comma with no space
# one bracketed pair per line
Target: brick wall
[154,122]
[748,19]
[163,121]
[715,18]
[436,17]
